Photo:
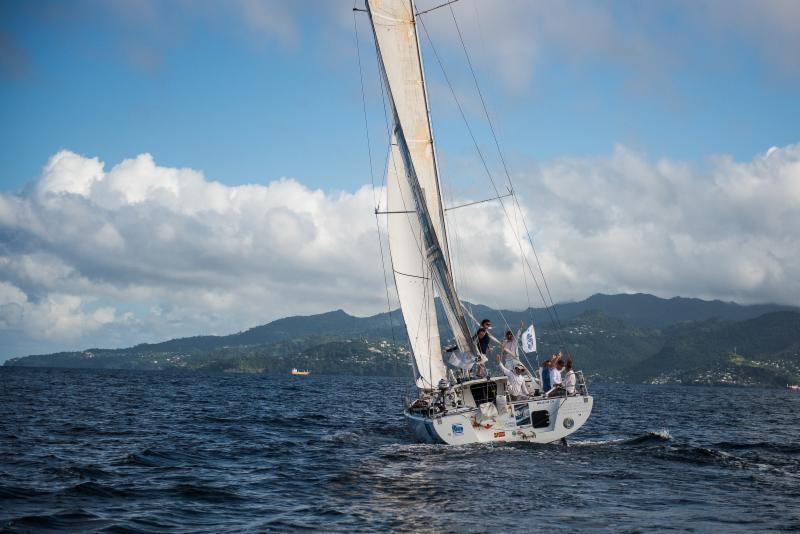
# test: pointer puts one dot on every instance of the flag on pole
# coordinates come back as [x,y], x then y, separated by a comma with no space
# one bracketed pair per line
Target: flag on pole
[529,340]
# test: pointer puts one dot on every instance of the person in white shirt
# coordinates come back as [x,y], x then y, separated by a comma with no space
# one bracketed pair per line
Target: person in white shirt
[509,346]
[556,382]
[569,379]
[515,384]
[555,374]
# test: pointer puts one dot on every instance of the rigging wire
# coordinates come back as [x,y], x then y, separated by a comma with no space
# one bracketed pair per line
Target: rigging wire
[372,177]
[516,212]
[503,161]
[436,7]
[476,202]
[553,318]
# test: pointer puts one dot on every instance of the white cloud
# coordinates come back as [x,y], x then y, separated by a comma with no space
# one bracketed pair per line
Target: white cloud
[726,231]
[140,252]
[768,25]
[271,18]
[87,247]
[67,172]
[514,38]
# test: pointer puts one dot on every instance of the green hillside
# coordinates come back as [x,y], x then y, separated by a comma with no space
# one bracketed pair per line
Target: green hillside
[764,350]
[760,350]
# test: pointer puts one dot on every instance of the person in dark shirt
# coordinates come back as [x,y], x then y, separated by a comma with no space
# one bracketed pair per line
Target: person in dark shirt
[482,338]
[482,341]
[545,374]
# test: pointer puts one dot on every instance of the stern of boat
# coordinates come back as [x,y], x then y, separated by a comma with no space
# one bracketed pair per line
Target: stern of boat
[532,420]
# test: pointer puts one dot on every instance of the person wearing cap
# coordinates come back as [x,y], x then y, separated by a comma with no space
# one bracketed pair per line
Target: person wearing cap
[515,384]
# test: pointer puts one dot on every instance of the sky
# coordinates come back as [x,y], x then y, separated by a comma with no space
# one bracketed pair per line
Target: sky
[175,168]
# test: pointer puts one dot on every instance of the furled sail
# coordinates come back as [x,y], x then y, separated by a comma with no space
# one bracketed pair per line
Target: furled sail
[417,236]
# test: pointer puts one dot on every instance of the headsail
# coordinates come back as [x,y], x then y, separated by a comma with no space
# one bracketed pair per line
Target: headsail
[412,275]
[418,239]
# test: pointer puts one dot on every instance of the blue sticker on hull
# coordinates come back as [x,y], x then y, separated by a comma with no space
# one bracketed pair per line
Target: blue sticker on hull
[458,429]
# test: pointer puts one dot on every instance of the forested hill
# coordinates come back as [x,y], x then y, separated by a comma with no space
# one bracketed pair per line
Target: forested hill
[763,350]
[638,310]
[637,338]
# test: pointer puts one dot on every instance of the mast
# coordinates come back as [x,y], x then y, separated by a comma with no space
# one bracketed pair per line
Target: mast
[394,27]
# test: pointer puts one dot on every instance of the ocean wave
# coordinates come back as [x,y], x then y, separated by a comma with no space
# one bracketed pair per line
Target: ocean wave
[79,471]
[94,489]
[69,521]
[160,458]
[651,437]
[16,492]
[210,458]
[342,436]
[782,448]
[211,493]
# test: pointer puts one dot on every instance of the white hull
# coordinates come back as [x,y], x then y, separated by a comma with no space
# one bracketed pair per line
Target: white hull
[533,421]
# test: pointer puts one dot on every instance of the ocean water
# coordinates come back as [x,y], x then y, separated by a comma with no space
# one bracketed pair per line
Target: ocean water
[98,451]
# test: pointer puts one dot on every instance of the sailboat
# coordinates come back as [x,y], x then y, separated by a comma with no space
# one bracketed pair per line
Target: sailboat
[451,407]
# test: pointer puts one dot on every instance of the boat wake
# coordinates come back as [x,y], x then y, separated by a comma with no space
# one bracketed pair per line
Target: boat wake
[653,436]
[764,457]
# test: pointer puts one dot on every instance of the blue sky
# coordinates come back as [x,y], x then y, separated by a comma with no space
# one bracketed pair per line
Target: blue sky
[174,168]
[241,109]
[196,85]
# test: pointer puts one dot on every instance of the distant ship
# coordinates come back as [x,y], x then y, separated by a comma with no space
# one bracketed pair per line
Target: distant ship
[298,372]
[794,387]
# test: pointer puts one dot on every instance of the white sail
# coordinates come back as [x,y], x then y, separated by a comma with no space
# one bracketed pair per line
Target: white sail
[412,276]
[395,35]
[395,32]
[413,168]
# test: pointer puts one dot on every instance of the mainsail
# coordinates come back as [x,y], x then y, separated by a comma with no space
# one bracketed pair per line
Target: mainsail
[417,236]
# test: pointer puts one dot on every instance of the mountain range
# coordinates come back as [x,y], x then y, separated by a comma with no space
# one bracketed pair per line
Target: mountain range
[627,337]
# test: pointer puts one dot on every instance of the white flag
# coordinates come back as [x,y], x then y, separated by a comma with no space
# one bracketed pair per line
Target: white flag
[529,340]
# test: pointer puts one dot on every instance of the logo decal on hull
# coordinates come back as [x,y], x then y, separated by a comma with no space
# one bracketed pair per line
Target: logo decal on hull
[458,429]
[499,434]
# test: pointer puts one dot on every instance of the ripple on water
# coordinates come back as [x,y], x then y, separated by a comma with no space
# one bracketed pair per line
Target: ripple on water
[143,452]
